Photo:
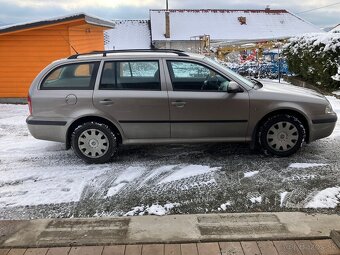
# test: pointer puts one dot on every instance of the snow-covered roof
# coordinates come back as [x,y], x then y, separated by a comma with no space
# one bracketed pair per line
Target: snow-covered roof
[335,29]
[231,25]
[128,34]
[90,19]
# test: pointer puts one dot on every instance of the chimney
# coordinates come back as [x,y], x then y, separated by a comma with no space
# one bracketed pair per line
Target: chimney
[167,21]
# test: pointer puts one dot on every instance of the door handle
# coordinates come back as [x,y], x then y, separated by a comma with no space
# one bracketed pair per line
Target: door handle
[179,104]
[106,102]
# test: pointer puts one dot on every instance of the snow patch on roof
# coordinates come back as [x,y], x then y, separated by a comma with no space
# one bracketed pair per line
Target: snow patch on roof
[335,29]
[91,19]
[128,34]
[225,24]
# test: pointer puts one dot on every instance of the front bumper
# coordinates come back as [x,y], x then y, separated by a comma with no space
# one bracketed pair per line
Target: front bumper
[322,127]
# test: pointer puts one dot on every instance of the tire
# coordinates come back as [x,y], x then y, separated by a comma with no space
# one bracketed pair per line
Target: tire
[282,135]
[94,142]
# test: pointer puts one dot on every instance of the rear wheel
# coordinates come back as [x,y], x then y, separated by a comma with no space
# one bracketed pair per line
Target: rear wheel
[282,135]
[94,142]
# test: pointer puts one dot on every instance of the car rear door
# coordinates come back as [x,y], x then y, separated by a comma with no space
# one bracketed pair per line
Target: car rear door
[200,106]
[133,93]
[65,91]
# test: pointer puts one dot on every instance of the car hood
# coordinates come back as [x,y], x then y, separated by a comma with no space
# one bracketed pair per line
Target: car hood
[284,88]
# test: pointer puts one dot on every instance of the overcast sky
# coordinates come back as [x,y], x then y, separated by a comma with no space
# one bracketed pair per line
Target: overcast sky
[13,11]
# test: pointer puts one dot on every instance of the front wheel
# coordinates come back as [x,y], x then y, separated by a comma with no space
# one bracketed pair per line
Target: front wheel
[282,135]
[94,142]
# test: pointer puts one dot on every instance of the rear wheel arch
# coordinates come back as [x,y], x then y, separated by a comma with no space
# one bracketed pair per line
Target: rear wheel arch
[85,119]
[294,113]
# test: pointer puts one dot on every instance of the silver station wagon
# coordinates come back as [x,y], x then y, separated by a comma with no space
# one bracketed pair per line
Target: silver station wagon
[97,101]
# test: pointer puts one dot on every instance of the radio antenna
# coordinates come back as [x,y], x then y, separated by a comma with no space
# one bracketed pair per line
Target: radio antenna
[68,42]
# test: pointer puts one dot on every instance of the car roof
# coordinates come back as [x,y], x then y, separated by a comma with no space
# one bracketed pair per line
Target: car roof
[112,54]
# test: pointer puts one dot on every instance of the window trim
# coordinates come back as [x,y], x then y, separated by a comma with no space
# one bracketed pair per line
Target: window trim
[171,74]
[129,61]
[92,80]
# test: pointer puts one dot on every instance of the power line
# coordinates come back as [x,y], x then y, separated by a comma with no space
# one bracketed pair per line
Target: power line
[319,8]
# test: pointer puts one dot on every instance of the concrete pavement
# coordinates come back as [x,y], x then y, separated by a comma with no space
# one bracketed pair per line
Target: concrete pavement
[167,229]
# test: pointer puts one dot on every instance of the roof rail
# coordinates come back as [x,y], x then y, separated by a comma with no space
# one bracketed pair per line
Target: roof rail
[105,52]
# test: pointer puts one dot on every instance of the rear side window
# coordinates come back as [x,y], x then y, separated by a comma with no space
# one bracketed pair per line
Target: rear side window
[72,76]
[131,75]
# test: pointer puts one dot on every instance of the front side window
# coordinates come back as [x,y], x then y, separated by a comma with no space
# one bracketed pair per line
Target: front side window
[131,75]
[73,76]
[189,76]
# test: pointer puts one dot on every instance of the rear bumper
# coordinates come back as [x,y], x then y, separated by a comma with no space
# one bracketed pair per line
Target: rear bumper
[322,127]
[47,129]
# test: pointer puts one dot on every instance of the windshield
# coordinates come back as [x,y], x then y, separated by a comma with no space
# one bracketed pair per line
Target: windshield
[231,72]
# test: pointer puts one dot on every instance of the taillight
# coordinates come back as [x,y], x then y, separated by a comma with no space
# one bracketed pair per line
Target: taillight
[29,104]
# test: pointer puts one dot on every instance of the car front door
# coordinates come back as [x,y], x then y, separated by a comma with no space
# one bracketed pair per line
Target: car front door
[201,107]
[133,94]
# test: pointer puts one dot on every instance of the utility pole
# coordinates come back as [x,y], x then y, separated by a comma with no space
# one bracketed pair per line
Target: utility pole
[167,21]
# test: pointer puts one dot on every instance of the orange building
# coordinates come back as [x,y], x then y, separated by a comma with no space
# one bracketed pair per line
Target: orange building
[25,49]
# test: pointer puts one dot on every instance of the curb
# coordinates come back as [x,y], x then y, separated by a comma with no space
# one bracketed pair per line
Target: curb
[169,229]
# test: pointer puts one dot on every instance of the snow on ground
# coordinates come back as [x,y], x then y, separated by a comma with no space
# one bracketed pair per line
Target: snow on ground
[157,172]
[154,209]
[127,176]
[188,171]
[250,174]
[225,205]
[34,186]
[306,165]
[191,185]
[336,107]
[282,197]
[327,198]
[256,199]
[40,179]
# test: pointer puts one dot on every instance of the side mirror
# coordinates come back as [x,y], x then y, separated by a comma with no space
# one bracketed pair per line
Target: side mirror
[233,87]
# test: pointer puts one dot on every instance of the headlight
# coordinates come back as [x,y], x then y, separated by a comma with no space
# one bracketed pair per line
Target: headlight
[328,109]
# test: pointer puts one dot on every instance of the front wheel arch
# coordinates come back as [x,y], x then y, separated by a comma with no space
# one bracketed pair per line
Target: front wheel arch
[296,114]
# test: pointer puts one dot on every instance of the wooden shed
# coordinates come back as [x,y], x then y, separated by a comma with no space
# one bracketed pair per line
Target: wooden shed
[25,49]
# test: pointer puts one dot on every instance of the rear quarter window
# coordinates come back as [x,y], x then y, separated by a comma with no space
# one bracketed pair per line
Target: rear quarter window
[71,77]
